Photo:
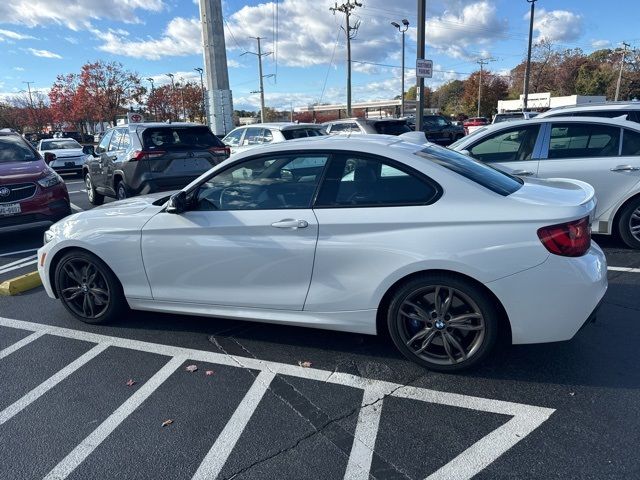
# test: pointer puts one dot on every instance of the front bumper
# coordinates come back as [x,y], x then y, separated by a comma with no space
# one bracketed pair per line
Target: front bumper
[45,208]
[551,302]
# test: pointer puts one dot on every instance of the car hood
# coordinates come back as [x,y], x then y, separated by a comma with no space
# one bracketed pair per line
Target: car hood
[18,172]
[130,205]
[65,152]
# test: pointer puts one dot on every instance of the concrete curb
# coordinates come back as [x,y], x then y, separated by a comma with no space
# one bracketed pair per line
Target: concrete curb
[20,284]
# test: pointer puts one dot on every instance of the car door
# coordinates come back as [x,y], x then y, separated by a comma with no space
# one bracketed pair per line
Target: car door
[97,163]
[115,156]
[248,238]
[513,150]
[367,205]
[591,152]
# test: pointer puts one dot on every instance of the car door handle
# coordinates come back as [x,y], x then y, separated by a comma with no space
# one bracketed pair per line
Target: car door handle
[624,168]
[291,223]
[522,173]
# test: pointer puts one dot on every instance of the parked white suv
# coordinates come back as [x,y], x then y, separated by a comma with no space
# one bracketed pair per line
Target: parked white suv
[601,151]
[606,109]
[251,136]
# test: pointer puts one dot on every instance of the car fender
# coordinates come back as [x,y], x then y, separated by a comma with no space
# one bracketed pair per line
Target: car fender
[608,216]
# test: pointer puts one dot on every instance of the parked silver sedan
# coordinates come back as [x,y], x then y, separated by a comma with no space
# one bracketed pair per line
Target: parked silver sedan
[251,136]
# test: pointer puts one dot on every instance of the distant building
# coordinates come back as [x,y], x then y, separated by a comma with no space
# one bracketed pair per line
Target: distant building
[544,101]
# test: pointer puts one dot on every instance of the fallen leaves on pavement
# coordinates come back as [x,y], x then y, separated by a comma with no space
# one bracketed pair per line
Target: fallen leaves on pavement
[208,373]
[131,382]
[305,364]
[167,423]
[191,368]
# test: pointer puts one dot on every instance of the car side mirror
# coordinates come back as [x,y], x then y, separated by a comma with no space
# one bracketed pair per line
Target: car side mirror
[49,157]
[89,150]
[465,152]
[98,150]
[177,203]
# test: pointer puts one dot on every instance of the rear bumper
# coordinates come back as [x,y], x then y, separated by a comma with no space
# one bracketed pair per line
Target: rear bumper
[552,301]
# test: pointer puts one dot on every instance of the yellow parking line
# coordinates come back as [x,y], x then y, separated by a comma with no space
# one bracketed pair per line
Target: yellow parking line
[20,284]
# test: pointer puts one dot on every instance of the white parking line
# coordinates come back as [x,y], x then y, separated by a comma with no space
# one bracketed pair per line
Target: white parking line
[223,446]
[526,418]
[16,267]
[18,345]
[76,207]
[624,269]
[77,191]
[22,260]
[364,440]
[95,438]
[8,254]
[51,382]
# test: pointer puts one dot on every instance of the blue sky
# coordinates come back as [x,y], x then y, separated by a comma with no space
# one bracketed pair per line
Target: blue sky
[42,38]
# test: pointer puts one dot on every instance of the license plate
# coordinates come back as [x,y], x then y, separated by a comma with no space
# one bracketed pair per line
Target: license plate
[10,209]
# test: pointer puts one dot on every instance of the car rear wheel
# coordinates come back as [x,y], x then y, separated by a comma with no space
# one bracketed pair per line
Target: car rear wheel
[629,224]
[88,289]
[442,322]
[121,191]
[94,197]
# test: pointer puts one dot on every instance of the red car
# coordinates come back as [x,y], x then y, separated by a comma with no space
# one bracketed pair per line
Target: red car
[32,195]
[471,124]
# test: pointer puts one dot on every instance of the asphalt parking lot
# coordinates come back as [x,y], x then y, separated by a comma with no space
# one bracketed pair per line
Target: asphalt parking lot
[78,401]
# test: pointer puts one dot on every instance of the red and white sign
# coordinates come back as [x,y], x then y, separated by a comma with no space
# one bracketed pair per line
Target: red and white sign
[134,117]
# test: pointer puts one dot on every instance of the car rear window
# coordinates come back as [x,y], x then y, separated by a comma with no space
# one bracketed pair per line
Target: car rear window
[14,149]
[391,128]
[485,175]
[508,116]
[294,133]
[179,137]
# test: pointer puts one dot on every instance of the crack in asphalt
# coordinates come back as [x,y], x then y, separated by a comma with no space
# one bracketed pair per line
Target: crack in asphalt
[316,430]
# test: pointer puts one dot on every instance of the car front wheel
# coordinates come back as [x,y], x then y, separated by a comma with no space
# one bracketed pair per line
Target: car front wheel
[443,322]
[629,224]
[88,289]
[94,197]
[121,191]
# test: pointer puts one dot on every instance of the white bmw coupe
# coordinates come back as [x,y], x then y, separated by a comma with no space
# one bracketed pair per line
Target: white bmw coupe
[366,235]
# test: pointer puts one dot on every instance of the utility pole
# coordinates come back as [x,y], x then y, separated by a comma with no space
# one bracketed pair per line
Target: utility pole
[351,33]
[261,76]
[184,112]
[402,30]
[173,94]
[482,62]
[204,114]
[150,80]
[527,71]
[624,54]
[29,88]
[422,18]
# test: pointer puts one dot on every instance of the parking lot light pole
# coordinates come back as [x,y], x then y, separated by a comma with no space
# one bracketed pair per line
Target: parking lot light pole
[173,92]
[527,72]
[204,113]
[150,80]
[402,30]
[422,18]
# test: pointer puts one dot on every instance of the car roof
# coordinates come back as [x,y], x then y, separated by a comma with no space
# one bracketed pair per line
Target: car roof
[594,107]
[281,125]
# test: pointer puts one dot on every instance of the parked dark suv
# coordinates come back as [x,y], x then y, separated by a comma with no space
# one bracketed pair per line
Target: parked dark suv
[143,158]
[440,130]
[31,194]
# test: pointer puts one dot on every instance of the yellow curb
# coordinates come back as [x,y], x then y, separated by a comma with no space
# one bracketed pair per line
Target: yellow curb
[20,284]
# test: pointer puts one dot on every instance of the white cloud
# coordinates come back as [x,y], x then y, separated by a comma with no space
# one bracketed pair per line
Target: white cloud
[456,31]
[162,79]
[18,69]
[600,43]
[74,14]
[557,25]
[72,40]
[14,35]
[43,53]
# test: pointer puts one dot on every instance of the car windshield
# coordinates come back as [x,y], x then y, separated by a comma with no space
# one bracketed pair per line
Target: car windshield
[293,133]
[14,149]
[177,138]
[478,172]
[60,145]
[391,128]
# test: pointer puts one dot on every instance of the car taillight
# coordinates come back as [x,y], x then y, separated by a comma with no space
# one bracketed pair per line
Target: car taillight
[571,239]
[220,150]
[146,155]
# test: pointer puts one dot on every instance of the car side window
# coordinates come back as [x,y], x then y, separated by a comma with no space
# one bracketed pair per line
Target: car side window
[630,143]
[355,181]
[125,140]
[104,143]
[233,139]
[264,183]
[115,141]
[252,137]
[267,136]
[579,140]
[511,145]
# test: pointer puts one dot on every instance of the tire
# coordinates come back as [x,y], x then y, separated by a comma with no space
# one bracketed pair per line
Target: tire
[447,347]
[88,289]
[629,224]
[122,191]
[95,198]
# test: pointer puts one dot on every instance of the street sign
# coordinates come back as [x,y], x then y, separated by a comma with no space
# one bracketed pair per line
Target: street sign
[424,68]
[134,117]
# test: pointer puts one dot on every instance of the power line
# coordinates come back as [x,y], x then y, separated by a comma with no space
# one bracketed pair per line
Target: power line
[326,77]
